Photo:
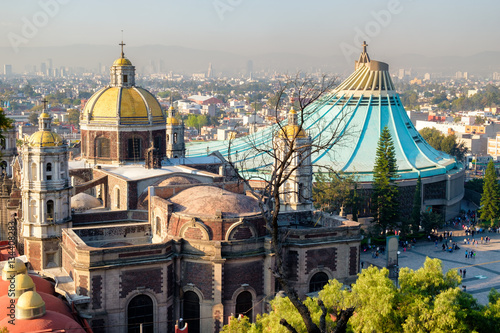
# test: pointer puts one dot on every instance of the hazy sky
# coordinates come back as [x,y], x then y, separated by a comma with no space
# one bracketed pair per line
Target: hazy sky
[314,27]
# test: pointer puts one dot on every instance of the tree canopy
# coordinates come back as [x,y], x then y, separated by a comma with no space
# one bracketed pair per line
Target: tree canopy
[427,300]
[489,210]
[385,191]
[445,143]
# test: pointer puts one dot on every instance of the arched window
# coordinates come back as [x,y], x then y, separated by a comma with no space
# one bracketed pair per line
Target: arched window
[48,169]
[3,166]
[102,146]
[134,148]
[318,281]
[33,210]
[33,171]
[140,311]
[244,304]
[175,137]
[191,311]
[117,198]
[158,226]
[167,138]
[50,210]
[125,78]
[61,170]
[158,144]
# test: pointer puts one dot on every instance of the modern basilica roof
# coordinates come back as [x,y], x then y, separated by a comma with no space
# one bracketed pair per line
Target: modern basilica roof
[359,108]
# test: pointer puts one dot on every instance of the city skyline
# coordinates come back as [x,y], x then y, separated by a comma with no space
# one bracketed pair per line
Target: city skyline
[250,29]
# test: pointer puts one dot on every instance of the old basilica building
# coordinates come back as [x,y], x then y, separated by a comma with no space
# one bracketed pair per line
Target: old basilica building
[134,232]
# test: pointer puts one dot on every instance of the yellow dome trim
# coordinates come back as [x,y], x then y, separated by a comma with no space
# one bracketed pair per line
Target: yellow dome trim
[154,106]
[292,111]
[106,106]
[123,105]
[44,115]
[45,139]
[133,110]
[293,131]
[173,121]
[122,62]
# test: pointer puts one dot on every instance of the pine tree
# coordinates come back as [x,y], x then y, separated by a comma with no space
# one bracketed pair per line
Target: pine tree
[385,191]
[417,206]
[489,200]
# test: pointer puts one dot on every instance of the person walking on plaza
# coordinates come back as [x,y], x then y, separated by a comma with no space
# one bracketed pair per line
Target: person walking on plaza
[466,254]
[464,271]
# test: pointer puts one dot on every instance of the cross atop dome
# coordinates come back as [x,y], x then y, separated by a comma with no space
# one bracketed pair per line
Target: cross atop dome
[364,58]
[122,44]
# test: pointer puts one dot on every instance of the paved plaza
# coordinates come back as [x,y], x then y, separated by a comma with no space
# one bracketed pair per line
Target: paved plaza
[483,272]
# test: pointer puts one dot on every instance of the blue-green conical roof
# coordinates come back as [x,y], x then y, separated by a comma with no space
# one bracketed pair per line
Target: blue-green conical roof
[359,108]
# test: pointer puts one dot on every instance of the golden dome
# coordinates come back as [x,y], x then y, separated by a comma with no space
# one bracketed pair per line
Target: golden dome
[45,139]
[293,131]
[23,283]
[12,268]
[122,62]
[123,106]
[45,115]
[30,300]
[292,111]
[30,305]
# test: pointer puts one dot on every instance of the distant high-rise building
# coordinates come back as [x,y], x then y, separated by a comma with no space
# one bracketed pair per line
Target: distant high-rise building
[7,70]
[427,76]
[249,68]
[496,76]
[43,68]
[209,72]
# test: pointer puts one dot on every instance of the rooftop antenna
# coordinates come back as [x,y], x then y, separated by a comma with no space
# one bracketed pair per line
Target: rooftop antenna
[122,45]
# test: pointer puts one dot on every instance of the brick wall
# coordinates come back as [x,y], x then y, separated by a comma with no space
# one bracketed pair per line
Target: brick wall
[353,260]
[83,288]
[150,278]
[96,292]
[238,273]
[321,257]
[199,274]
[34,250]
[292,263]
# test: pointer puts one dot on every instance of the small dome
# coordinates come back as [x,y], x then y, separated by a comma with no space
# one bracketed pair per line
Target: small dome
[30,305]
[293,131]
[50,322]
[52,303]
[45,139]
[209,200]
[45,115]
[23,283]
[172,120]
[13,268]
[83,201]
[123,106]
[178,180]
[122,62]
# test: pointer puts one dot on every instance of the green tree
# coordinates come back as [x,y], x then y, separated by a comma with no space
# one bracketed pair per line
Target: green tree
[331,191]
[430,221]
[417,206]
[489,200]
[445,143]
[74,117]
[5,123]
[33,118]
[385,191]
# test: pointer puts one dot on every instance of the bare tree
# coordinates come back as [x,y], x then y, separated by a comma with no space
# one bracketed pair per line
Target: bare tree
[270,158]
